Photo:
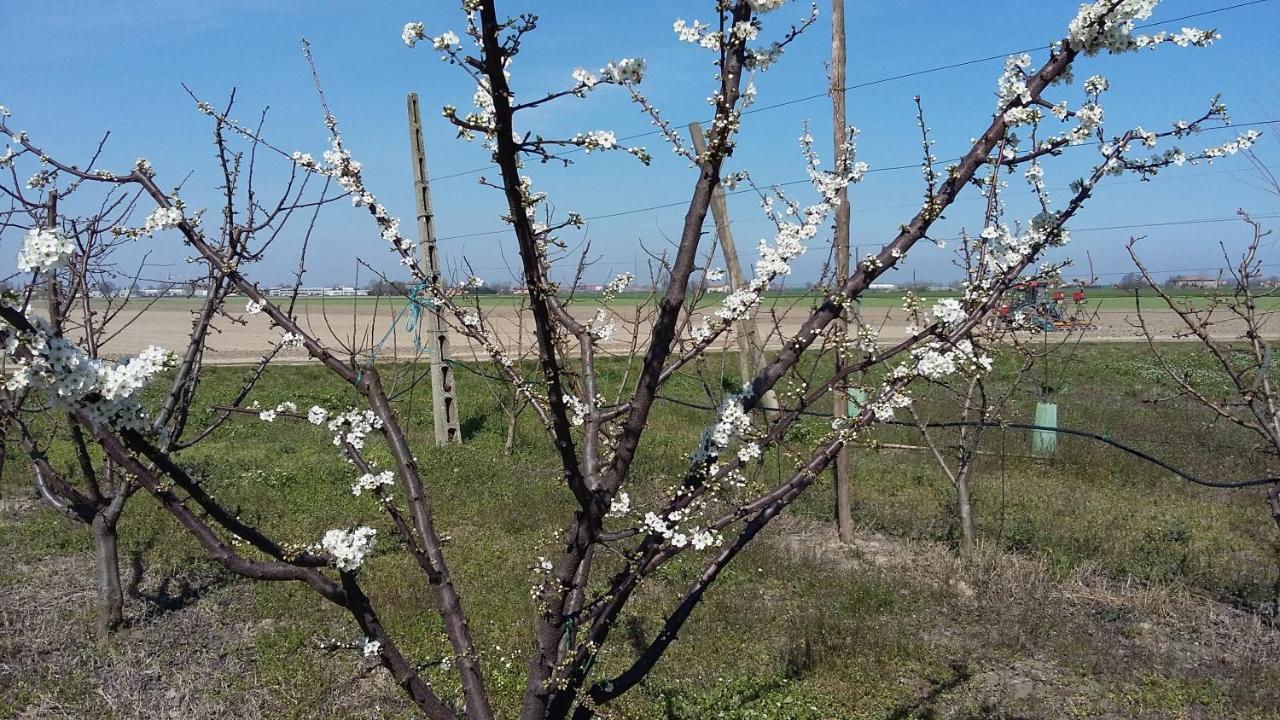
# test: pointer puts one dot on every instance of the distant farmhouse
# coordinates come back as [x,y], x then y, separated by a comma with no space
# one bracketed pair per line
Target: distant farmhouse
[335,291]
[1195,281]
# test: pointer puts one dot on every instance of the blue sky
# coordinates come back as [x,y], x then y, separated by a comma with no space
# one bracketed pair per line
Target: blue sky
[73,70]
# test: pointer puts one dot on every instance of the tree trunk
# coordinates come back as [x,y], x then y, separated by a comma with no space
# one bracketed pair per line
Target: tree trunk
[966,509]
[513,418]
[1273,502]
[110,597]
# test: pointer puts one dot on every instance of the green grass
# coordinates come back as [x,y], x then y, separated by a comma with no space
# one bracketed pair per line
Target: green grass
[776,638]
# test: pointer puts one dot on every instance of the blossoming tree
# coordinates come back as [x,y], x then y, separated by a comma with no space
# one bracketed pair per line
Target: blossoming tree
[613,540]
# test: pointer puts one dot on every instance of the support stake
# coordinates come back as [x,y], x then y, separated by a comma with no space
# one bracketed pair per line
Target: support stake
[750,344]
[444,402]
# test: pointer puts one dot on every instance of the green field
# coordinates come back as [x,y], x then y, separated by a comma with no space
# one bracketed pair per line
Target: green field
[1100,298]
[1100,577]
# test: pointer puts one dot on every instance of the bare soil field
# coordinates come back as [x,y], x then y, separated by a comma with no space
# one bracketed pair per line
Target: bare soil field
[361,326]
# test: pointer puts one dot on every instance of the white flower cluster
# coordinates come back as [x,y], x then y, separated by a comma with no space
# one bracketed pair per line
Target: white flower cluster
[1187,37]
[412,33]
[339,165]
[42,179]
[351,427]
[1109,24]
[949,312]
[601,327]
[44,249]
[618,284]
[1009,250]
[371,647]
[625,71]
[317,415]
[595,140]
[107,392]
[795,226]
[270,414]
[668,527]
[1011,88]
[732,423]
[936,360]
[370,482]
[348,548]
[577,410]
[868,338]
[253,307]
[888,402]
[621,505]
[163,218]
[1096,85]
[290,341]
[1242,142]
[764,6]
[447,41]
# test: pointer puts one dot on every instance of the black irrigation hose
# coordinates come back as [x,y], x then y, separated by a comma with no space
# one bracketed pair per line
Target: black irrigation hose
[1232,485]
[1255,482]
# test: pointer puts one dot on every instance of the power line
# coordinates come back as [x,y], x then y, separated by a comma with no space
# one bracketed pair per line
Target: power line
[682,203]
[887,79]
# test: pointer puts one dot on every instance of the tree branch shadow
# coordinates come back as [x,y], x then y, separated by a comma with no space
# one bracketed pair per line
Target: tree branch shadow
[923,706]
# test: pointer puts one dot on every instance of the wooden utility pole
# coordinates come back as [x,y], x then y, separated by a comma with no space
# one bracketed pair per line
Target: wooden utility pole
[444,402]
[750,345]
[844,511]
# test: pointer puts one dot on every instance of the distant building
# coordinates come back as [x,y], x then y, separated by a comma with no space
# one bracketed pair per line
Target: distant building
[1196,281]
[882,286]
[335,291]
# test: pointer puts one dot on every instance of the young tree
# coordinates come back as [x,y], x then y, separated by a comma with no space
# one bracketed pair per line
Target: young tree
[611,542]
[1244,356]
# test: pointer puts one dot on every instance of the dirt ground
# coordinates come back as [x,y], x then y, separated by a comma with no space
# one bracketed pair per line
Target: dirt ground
[1026,641]
[366,325]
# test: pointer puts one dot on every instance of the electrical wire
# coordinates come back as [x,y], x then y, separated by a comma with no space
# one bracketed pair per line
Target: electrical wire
[887,79]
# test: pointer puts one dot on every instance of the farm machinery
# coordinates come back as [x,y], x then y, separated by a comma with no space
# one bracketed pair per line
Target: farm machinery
[1037,305]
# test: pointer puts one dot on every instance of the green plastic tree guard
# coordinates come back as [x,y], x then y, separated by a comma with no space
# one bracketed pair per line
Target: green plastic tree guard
[857,398]
[1044,442]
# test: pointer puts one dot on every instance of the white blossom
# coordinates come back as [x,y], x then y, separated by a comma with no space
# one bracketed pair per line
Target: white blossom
[44,250]
[370,482]
[625,71]
[620,505]
[618,284]
[577,410]
[348,548]
[412,33]
[764,6]
[949,312]
[595,140]
[106,392]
